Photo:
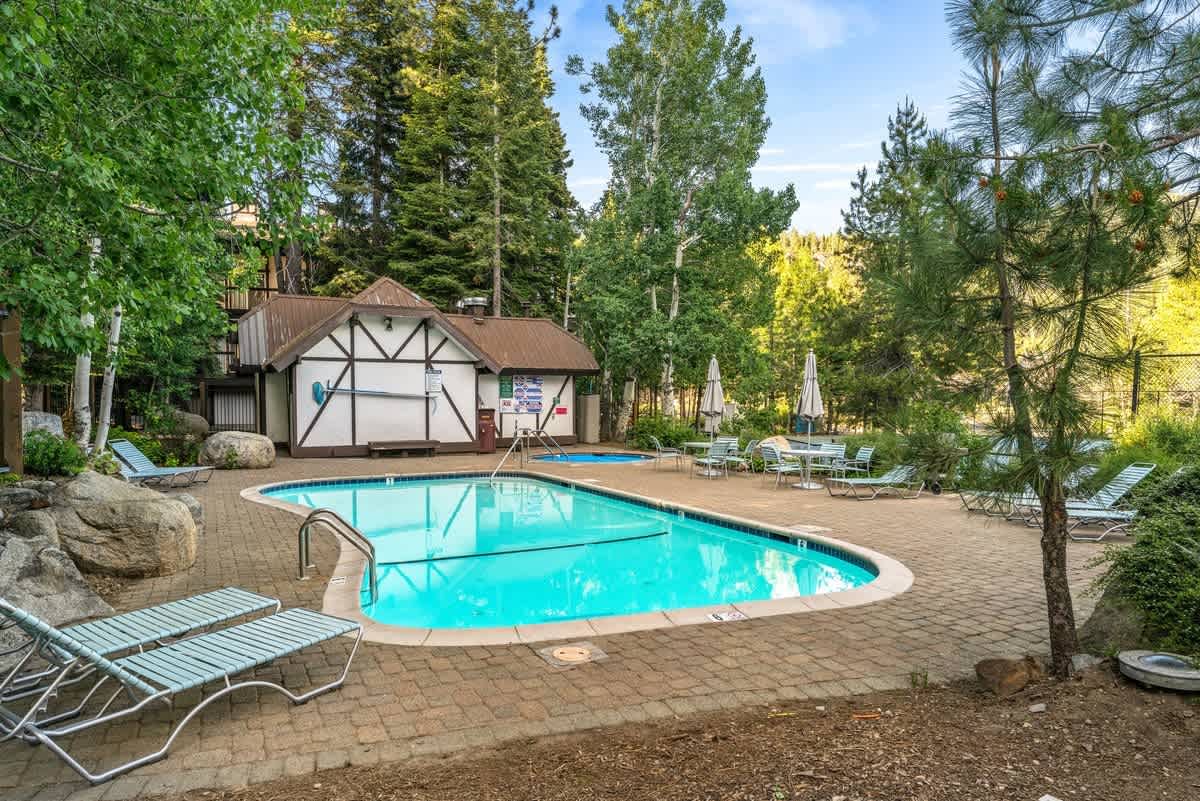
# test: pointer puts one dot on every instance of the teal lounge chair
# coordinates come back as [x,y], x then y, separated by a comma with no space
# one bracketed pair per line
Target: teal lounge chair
[156,676]
[138,469]
[900,480]
[131,631]
[1100,509]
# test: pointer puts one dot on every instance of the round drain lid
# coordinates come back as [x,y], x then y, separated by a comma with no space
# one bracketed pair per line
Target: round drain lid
[572,654]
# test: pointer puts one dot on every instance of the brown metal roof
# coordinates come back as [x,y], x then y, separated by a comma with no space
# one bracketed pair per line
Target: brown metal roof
[275,333]
[530,344]
[386,292]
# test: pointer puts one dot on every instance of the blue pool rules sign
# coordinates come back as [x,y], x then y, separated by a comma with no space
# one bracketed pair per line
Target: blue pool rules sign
[527,395]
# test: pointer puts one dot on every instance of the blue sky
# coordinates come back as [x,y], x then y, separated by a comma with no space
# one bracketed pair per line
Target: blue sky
[834,72]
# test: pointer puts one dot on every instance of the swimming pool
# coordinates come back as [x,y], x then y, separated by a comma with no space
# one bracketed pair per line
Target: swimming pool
[593,458]
[463,552]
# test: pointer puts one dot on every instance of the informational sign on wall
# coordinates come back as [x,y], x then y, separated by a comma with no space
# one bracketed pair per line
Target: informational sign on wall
[433,382]
[506,387]
[526,395]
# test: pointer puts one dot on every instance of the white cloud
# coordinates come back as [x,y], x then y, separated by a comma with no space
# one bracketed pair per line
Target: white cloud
[810,167]
[798,24]
[836,183]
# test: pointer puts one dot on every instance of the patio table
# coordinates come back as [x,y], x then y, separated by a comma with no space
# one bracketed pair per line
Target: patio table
[806,455]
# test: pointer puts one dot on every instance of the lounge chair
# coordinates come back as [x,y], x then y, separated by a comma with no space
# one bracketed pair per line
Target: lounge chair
[861,463]
[138,469]
[773,462]
[717,459]
[158,675]
[661,452]
[131,631]
[899,480]
[1100,509]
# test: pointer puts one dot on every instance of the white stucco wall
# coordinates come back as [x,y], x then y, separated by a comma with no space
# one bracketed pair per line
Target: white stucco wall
[559,425]
[386,418]
[276,404]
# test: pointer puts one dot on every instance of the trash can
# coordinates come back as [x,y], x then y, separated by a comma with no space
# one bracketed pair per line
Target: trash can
[486,423]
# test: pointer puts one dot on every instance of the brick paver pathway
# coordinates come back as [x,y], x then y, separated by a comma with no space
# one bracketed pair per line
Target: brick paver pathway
[977,593]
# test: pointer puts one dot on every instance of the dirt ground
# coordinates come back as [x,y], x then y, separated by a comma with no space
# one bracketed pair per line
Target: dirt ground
[1099,739]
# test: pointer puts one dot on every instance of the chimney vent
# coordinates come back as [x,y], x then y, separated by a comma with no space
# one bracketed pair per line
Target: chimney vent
[473,306]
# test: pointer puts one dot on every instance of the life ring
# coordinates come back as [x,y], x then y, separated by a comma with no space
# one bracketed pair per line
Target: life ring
[1160,669]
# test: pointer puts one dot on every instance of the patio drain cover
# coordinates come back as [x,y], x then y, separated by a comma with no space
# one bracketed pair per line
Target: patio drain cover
[572,654]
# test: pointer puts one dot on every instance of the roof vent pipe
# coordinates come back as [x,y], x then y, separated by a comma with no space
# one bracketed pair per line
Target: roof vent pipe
[475,306]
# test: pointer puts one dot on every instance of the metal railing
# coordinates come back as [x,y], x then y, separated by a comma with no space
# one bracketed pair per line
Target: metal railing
[338,525]
[521,442]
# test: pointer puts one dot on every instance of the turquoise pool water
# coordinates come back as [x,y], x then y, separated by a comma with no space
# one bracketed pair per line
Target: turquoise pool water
[593,458]
[469,553]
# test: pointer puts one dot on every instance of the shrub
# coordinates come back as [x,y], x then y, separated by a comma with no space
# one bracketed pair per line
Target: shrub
[49,455]
[889,447]
[165,451]
[1169,494]
[670,432]
[9,478]
[1160,574]
[104,463]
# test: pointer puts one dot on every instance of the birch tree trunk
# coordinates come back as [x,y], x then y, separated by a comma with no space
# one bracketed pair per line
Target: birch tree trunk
[82,389]
[110,374]
[628,396]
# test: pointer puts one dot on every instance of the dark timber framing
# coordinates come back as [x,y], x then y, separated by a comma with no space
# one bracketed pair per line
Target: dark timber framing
[429,360]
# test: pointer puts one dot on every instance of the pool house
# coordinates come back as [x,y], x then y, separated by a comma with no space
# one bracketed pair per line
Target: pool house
[387,371]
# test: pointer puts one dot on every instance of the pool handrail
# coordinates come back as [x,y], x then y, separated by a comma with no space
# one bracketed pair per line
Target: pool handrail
[338,525]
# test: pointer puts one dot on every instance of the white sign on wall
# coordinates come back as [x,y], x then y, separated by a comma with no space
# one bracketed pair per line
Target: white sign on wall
[433,382]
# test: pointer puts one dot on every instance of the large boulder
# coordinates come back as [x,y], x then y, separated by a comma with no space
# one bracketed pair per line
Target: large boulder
[1008,676]
[191,424]
[37,575]
[1116,624]
[23,495]
[236,450]
[42,421]
[115,528]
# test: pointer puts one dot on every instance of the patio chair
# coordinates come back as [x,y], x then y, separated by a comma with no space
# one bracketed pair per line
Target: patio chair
[744,460]
[159,675]
[661,452]
[717,459]
[136,630]
[832,463]
[900,480]
[773,462]
[861,463]
[138,469]
[1100,509]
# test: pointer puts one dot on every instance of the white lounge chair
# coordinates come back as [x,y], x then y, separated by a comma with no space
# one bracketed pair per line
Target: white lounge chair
[900,480]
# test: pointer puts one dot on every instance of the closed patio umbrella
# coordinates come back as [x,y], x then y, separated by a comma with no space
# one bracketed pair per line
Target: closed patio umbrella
[810,407]
[712,405]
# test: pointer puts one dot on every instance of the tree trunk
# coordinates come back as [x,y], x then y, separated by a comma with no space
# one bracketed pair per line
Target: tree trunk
[110,374]
[497,276]
[82,391]
[1060,610]
[628,399]
[606,410]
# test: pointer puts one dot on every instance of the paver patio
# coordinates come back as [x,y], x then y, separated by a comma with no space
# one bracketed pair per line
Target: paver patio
[977,593]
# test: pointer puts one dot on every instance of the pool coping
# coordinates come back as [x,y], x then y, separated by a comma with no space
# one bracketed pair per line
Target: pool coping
[342,597]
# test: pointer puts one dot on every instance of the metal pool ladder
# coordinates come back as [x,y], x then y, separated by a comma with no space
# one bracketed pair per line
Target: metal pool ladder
[522,438]
[338,525]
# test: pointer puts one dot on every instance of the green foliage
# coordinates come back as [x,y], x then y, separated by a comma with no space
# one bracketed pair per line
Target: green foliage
[49,455]
[1175,495]
[164,450]
[1160,573]
[137,127]
[1166,439]
[9,478]
[670,432]
[889,447]
[756,424]
[104,463]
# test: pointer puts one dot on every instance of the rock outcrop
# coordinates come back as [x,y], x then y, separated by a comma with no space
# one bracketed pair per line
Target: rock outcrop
[37,575]
[115,528]
[41,421]
[237,450]
[192,424]
[1007,676]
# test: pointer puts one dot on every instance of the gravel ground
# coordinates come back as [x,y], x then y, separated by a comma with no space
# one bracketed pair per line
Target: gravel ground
[1099,738]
